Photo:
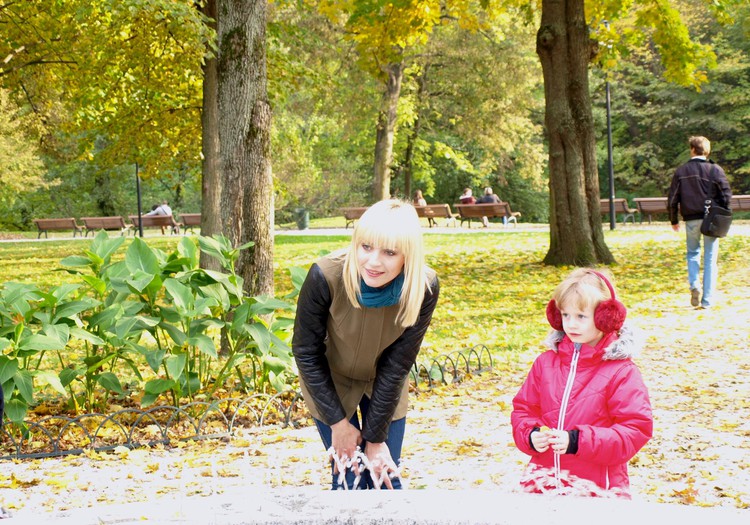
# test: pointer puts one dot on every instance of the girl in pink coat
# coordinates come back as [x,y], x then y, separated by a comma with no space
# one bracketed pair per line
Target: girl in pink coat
[583,411]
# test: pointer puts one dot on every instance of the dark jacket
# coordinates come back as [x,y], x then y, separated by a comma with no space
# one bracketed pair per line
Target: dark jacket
[489,199]
[343,353]
[693,183]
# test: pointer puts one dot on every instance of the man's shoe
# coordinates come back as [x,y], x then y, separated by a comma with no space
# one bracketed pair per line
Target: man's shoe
[695,297]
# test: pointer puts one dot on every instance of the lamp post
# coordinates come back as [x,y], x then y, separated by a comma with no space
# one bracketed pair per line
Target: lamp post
[138,195]
[612,218]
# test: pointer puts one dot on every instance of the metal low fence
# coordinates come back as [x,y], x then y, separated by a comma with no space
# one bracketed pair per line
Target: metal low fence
[60,435]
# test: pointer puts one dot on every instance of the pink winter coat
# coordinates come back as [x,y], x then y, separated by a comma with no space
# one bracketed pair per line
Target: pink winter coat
[608,404]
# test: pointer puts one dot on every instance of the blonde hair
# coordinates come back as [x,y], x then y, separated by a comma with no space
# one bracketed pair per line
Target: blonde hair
[391,225]
[582,289]
[701,145]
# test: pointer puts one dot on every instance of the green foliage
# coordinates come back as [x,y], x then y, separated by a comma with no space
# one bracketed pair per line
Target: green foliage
[143,325]
[652,119]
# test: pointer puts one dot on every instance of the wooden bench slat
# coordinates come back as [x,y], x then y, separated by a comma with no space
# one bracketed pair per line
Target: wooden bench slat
[115,222]
[190,220]
[63,224]
[651,205]
[621,206]
[436,211]
[156,221]
[502,209]
[740,202]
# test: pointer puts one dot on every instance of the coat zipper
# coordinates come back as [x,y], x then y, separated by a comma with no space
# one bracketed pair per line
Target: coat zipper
[564,405]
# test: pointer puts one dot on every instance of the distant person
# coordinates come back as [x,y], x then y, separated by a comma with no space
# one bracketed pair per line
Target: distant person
[161,209]
[583,411]
[694,182]
[488,198]
[419,199]
[466,197]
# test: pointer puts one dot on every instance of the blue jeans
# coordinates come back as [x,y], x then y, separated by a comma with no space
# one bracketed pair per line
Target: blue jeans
[394,441]
[710,260]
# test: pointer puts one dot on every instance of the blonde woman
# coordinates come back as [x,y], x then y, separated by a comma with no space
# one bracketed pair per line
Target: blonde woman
[361,317]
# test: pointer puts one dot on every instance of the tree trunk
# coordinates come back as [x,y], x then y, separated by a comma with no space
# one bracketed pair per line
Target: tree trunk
[211,172]
[244,134]
[564,48]
[414,136]
[384,137]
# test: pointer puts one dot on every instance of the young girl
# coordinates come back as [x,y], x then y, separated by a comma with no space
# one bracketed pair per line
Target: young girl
[583,411]
[361,316]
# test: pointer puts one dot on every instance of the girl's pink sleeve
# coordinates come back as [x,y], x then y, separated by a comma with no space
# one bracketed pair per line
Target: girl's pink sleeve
[629,406]
[527,409]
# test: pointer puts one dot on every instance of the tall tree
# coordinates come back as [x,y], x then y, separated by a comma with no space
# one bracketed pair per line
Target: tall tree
[211,181]
[244,134]
[383,33]
[565,48]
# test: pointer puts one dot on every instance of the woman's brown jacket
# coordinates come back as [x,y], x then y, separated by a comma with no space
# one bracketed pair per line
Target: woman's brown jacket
[343,353]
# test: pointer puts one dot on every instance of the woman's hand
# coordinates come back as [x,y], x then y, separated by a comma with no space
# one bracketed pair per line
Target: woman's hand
[381,464]
[345,438]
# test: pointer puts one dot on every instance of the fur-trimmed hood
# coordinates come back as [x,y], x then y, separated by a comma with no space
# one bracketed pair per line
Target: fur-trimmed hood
[627,345]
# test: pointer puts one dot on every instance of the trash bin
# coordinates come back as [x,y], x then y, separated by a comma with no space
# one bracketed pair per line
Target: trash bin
[302,216]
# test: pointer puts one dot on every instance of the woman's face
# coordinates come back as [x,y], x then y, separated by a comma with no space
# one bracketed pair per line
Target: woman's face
[378,266]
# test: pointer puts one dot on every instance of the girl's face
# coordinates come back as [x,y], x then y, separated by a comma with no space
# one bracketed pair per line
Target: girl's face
[579,325]
[378,266]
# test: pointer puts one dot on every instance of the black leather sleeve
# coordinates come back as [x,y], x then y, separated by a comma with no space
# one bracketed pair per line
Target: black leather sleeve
[393,369]
[308,345]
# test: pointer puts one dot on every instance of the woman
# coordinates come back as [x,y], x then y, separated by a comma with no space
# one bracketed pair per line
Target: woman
[361,316]
[419,199]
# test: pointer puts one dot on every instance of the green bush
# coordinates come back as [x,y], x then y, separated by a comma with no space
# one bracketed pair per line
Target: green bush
[149,321]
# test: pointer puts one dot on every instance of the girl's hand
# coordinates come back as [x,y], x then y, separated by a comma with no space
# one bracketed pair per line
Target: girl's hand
[345,438]
[559,440]
[540,440]
[381,463]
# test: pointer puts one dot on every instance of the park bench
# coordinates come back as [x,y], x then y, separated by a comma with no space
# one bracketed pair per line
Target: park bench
[621,206]
[156,221]
[437,211]
[651,206]
[190,220]
[476,211]
[741,203]
[46,225]
[352,214]
[113,223]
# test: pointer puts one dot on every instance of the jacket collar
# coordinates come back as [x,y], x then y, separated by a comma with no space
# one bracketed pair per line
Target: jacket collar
[626,344]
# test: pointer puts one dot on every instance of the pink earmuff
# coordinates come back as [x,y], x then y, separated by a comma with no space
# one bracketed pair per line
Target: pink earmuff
[609,315]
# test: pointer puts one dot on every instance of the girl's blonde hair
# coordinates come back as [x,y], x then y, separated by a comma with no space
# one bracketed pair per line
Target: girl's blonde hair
[391,225]
[582,289]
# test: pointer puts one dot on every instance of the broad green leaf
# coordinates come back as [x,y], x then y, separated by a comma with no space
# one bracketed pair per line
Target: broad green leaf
[40,342]
[47,377]
[204,343]
[175,365]
[182,296]
[110,381]
[8,367]
[68,375]
[158,386]
[260,335]
[140,259]
[16,409]
[24,382]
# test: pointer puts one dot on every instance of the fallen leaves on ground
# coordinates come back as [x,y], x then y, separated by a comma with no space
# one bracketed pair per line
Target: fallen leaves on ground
[696,364]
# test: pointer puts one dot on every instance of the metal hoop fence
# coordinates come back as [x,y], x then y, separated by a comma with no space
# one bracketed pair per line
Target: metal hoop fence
[59,435]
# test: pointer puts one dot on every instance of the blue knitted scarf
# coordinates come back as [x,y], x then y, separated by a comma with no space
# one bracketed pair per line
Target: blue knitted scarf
[387,295]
